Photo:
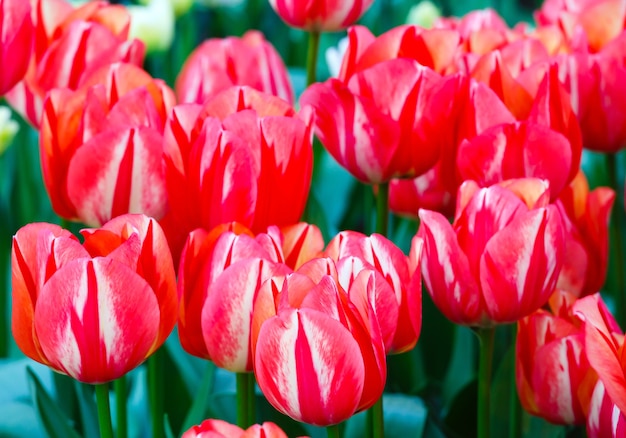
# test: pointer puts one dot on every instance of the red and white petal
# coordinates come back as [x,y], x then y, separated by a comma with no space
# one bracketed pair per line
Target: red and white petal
[96,320]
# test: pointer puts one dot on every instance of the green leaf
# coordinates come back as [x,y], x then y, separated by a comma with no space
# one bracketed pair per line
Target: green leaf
[50,416]
[198,410]
[87,407]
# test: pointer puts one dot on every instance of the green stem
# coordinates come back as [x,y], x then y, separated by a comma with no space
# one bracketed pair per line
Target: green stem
[382,209]
[616,225]
[119,386]
[245,400]
[515,407]
[333,431]
[155,382]
[104,410]
[311,63]
[375,420]
[486,339]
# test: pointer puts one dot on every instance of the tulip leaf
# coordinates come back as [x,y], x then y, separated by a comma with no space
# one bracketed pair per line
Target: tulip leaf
[87,408]
[461,368]
[51,417]
[197,411]
[189,368]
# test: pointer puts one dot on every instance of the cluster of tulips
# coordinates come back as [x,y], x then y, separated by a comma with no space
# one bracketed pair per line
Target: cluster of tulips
[194,196]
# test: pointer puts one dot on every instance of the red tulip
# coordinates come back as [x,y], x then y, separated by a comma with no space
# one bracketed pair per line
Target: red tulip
[586,220]
[93,311]
[245,156]
[517,150]
[402,273]
[101,146]
[552,370]
[69,45]
[604,420]
[221,429]
[318,356]
[436,48]
[500,259]
[464,108]
[221,63]
[16,42]
[320,15]
[376,134]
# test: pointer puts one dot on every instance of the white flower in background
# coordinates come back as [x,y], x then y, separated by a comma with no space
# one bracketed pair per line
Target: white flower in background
[153,24]
[334,56]
[8,128]
[423,14]
[180,6]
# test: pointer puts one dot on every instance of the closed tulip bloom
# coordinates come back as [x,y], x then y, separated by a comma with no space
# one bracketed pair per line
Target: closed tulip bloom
[101,146]
[16,41]
[553,374]
[245,156]
[402,273]
[221,63]
[586,216]
[318,357]
[375,133]
[500,259]
[93,311]
[70,44]
[320,15]
[221,429]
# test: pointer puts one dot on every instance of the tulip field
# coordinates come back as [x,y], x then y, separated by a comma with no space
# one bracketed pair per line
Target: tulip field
[312,218]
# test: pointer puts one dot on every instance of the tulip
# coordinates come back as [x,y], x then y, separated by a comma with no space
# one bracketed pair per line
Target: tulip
[377,135]
[551,364]
[318,356]
[16,42]
[218,64]
[221,429]
[500,259]
[101,146]
[604,420]
[212,295]
[320,15]
[517,150]
[70,44]
[586,217]
[93,311]
[402,273]
[245,156]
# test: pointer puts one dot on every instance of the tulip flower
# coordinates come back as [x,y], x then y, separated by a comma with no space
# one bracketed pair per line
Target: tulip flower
[221,429]
[93,311]
[217,64]
[319,357]
[245,156]
[16,42]
[101,146]
[219,278]
[320,15]
[604,420]
[517,150]
[586,217]
[402,273]
[378,135]
[70,44]
[552,370]
[500,259]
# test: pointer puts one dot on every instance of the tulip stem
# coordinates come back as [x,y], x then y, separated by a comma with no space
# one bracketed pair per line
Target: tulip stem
[382,209]
[486,341]
[311,63]
[515,408]
[104,410]
[333,431]
[119,387]
[245,400]
[155,384]
[616,223]
[375,420]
